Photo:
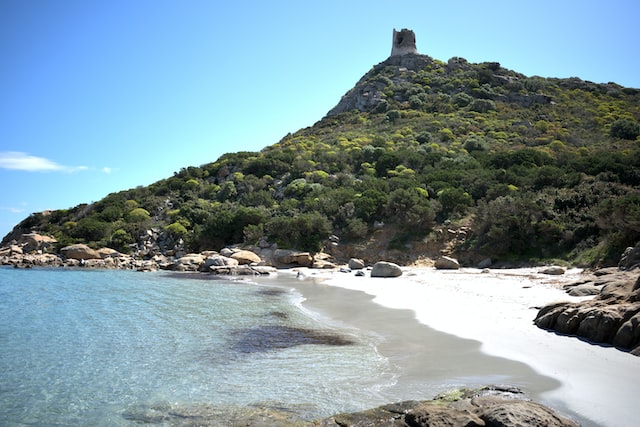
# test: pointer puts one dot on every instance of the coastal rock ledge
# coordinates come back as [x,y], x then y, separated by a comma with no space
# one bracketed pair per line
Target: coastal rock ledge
[492,406]
[611,317]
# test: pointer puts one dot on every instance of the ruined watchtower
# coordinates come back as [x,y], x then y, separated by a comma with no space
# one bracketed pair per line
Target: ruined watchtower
[404,42]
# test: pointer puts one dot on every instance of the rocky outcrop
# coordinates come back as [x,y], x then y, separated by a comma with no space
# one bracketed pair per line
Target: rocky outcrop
[386,269]
[611,317]
[34,242]
[494,406]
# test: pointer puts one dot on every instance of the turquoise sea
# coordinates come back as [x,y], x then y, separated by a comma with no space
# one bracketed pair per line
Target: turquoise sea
[108,348]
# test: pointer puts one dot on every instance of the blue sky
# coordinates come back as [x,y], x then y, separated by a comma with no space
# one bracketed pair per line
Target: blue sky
[102,96]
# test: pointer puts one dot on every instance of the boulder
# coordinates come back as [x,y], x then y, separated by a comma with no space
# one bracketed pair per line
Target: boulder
[195,259]
[553,271]
[447,263]
[356,264]
[245,257]
[79,251]
[288,257]
[32,242]
[630,258]
[584,290]
[108,253]
[219,261]
[386,269]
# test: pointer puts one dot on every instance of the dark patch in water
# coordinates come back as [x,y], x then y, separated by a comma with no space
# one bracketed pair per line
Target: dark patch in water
[195,276]
[276,337]
[272,292]
[279,314]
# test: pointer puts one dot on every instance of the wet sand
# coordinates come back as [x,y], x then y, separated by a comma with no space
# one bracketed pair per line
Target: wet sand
[443,330]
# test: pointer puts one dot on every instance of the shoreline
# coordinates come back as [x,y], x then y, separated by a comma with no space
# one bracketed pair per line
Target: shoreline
[594,384]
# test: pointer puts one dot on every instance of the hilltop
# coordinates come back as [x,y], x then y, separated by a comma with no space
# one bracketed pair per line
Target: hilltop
[421,158]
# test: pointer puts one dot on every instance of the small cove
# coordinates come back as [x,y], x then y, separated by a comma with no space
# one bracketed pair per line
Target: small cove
[115,348]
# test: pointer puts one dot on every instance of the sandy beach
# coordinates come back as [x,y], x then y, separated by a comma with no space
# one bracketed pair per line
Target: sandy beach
[455,328]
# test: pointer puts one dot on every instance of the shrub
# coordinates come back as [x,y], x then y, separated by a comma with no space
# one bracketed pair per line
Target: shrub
[305,232]
[454,200]
[625,129]
[482,105]
[120,240]
[138,215]
[176,230]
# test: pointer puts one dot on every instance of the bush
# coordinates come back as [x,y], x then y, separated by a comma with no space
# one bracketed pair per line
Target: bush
[305,232]
[454,200]
[176,230]
[625,129]
[120,240]
[482,105]
[138,215]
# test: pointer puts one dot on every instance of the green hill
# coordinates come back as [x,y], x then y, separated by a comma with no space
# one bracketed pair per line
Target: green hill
[529,168]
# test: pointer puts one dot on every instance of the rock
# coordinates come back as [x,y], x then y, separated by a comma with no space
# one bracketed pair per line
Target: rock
[553,271]
[80,252]
[11,250]
[485,263]
[494,406]
[108,253]
[219,261]
[522,413]
[226,252]
[447,263]
[245,257]
[242,270]
[32,242]
[628,335]
[611,317]
[287,257]
[386,269]
[435,414]
[194,259]
[356,264]
[630,258]
[584,290]
[360,273]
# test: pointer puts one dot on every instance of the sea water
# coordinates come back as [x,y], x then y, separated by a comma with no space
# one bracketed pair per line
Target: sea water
[108,348]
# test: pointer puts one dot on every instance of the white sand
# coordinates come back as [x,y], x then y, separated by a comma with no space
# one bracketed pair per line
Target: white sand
[497,308]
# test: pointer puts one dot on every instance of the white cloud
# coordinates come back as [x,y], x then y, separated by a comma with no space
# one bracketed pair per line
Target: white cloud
[15,160]
[106,169]
[12,209]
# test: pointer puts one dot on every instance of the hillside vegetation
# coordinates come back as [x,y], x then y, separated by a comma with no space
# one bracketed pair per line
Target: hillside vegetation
[536,168]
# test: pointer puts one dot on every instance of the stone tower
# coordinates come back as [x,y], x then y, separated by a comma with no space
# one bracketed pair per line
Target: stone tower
[404,42]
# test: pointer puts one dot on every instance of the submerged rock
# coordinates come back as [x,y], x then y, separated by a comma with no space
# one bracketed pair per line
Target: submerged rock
[276,337]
